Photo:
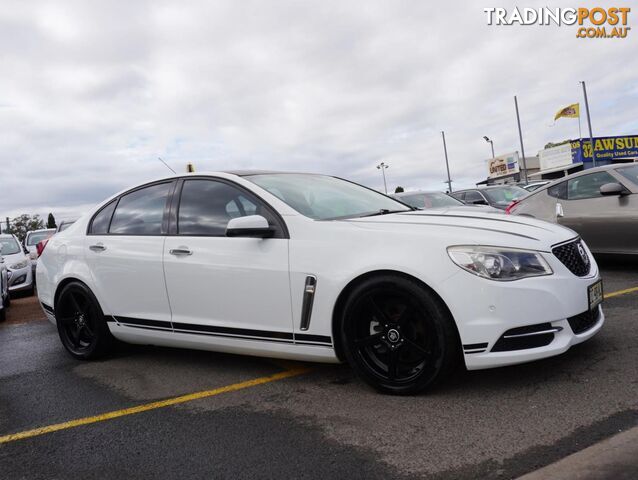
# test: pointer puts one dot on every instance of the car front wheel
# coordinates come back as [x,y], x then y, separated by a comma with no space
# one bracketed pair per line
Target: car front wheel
[398,335]
[81,324]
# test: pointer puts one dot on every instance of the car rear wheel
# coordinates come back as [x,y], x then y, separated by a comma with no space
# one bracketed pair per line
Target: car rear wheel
[398,335]
[81,324]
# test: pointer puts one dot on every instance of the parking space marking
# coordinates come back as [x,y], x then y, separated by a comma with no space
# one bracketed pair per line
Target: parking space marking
[292,372]
[621,292]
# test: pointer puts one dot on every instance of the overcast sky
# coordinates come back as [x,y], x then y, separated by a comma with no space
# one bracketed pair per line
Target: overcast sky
[91,93]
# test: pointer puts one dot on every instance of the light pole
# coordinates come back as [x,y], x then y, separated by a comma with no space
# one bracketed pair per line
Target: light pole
[447,164]
[591,135]
[491,144]
[382,166]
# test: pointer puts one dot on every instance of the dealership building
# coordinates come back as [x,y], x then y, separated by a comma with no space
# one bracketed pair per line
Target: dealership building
[509,169]
[576,155]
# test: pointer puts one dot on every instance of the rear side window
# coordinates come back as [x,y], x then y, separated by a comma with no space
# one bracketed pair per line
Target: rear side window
[141,212]
[417,201]
[459,196]
[558,191]
[100,223]
[588,186]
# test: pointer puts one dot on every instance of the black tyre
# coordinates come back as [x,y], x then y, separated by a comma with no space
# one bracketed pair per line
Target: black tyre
[81,324]
[3,313]
[7,301]
[397,335]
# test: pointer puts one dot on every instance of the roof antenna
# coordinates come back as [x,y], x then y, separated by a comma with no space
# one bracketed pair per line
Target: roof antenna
[167,165]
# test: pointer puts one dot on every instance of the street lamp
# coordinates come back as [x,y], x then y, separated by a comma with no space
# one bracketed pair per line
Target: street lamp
[382,166]
[491,144]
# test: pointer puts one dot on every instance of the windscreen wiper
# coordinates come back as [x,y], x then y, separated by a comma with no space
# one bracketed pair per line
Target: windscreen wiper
[383,211]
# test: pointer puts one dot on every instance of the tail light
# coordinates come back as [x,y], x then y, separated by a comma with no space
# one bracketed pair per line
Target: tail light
[41,245]
[508,210]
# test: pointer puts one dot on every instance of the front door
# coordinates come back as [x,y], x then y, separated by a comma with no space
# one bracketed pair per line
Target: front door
[222,286]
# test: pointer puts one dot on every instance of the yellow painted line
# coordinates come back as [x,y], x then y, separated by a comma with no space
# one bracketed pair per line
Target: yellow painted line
[152,406]
[621,292]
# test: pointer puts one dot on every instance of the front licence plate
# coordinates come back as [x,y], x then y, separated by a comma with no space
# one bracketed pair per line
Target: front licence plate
[595,294]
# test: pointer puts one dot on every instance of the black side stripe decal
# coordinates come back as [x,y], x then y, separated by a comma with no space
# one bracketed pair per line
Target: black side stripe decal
[229,332]
[474,346]
[47,308]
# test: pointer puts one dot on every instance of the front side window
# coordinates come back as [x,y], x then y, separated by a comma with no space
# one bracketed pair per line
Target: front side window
[9,246]
[141,212]
[326,198]
[206,207]
[588,186]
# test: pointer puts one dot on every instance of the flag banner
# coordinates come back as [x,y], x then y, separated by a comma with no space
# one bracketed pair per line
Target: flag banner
[572,111]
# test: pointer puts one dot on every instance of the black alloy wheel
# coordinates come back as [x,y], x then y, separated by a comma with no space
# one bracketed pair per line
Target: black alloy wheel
[398,335]
[81,324]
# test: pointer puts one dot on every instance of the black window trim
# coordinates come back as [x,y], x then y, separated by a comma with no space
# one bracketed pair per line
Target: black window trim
[173,213]
[165,222]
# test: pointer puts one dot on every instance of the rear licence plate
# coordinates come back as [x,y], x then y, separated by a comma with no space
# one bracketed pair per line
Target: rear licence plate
[595,294]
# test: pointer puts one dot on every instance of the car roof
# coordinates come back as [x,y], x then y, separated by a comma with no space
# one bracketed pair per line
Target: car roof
[416,192]
[490,187]
[40,230]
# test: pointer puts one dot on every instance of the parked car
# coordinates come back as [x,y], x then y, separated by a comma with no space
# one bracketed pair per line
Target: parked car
[316,268]
[20,274]
[530,187]
[32,239]
[5,299]
[425,200]
[601,204]
[497,196]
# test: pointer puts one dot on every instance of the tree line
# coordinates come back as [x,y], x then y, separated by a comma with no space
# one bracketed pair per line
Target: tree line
[20,225]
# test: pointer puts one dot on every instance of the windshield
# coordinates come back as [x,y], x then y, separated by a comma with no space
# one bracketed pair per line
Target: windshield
[326,198]
[36,237]
[430,200]
[504,195]
[9,246]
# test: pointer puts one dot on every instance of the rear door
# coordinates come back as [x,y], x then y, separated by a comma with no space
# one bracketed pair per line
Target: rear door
[231,287]
[124,249]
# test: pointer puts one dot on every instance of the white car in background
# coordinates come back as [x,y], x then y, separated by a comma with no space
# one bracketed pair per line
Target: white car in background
[316,268]
[20,274]
[32,239]
[5,299]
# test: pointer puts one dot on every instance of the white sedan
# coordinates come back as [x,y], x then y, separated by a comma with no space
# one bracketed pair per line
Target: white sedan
[316,268]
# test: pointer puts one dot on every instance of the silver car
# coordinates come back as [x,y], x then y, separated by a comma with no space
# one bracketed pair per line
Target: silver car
[423,200]
[20,275]
[5,300]
[601,204]
[31,241]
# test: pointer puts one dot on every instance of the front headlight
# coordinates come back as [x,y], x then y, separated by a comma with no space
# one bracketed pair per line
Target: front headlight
[497,263]
[19,265]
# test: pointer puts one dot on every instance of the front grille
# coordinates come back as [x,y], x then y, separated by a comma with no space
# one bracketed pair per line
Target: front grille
[574,256]
[584,321]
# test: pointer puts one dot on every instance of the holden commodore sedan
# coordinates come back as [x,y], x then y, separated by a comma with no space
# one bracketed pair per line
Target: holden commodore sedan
[316,268]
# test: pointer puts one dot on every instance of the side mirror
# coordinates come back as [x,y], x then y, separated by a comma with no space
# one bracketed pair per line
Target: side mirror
[250,226]
[480,202]
[610,189]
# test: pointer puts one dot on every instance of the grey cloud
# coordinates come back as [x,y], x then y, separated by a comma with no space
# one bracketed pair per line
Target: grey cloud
[93,92]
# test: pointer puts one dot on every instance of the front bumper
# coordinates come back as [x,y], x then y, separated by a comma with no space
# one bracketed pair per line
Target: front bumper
[488,309]
[21,279]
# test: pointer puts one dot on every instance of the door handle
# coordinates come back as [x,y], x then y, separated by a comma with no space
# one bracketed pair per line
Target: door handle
[559,211]
[98,247]
[180,251]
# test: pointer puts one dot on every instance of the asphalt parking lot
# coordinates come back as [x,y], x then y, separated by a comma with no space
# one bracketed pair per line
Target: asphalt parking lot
[135,415]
